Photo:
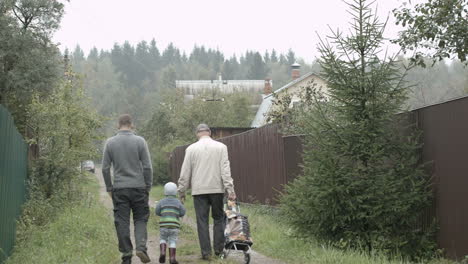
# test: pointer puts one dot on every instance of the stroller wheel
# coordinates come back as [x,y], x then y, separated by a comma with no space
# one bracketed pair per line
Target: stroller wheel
[246,257]
[224,254]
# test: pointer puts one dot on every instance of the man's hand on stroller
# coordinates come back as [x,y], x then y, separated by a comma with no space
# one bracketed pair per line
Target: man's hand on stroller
[232,196]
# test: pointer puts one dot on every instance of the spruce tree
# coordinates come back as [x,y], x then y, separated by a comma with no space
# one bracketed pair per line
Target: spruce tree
[274,57]
[291,57]
[363,185]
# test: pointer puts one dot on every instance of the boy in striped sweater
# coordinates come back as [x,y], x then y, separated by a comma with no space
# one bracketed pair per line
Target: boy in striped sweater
[170,209]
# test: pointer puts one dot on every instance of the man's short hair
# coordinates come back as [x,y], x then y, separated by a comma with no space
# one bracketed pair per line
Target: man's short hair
[125,120]
[202,127]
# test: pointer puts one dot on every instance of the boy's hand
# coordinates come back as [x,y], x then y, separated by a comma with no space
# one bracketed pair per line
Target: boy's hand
[182,197]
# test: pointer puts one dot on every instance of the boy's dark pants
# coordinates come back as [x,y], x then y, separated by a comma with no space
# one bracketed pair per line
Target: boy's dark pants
[126,200]
[202,204]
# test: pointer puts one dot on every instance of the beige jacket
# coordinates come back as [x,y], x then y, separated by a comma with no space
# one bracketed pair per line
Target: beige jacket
[206,168]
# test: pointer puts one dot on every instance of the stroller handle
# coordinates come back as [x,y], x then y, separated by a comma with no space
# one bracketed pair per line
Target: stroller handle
[225,201]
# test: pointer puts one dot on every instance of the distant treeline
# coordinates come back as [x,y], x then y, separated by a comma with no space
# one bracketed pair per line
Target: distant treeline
[130,78]
[438,83]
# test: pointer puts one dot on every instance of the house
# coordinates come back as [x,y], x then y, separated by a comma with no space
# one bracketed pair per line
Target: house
[293,88]
[220,86]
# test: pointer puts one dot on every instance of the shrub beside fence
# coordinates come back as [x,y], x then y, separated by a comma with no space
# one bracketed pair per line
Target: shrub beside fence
[13,176]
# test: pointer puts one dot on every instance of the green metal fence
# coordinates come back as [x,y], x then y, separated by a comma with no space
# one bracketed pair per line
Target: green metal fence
[13,176]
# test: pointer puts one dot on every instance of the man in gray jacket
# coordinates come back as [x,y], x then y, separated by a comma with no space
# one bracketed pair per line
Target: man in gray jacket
[206,168]
[133,178]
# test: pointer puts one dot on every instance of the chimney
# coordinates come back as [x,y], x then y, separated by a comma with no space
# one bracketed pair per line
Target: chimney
[267,89]
[295,71]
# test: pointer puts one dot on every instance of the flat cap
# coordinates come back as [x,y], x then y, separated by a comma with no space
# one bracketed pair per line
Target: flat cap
[202,127]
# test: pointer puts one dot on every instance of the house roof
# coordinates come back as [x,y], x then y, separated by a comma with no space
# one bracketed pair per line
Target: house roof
[224,85]
[260,116]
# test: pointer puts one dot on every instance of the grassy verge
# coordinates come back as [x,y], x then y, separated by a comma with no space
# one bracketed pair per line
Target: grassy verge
[273,238]
[82,232]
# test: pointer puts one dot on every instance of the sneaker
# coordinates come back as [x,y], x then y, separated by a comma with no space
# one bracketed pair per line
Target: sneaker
[206,257]
[143,256]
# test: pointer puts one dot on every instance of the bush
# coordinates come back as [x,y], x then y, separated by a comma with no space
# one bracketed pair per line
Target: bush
[64,129]
[160,168]
[363,186]
[62,230]
[41,208]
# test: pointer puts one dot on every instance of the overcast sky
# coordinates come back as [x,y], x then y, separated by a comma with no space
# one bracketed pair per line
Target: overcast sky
[231,26]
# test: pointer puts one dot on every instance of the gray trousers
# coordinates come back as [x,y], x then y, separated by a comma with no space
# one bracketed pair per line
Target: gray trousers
[202,205]
[136,201]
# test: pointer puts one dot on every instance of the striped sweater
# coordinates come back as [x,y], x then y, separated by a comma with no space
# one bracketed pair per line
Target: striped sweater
[170,209]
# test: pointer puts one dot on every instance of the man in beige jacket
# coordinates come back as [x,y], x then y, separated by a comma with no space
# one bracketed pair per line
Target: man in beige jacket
[206,170]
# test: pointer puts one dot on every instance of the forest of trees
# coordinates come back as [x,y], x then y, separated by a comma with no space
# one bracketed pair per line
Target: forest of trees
[131,78]
[140,80]
[441,82]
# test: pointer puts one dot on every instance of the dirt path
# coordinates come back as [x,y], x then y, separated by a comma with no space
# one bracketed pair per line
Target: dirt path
[193,256]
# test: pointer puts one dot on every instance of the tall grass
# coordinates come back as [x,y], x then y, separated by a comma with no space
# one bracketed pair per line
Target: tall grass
[274,238]
[79,232]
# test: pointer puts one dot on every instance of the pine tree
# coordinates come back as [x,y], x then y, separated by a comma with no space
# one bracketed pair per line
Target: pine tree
[266,57]
[274,57]
[362,186]
[291,57]
[258,69]
[154,56]
[93,54]
[77,59]
[283,60]
[231,68]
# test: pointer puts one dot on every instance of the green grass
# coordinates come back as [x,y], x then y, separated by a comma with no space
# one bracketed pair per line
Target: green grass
[273,238]
[82,232]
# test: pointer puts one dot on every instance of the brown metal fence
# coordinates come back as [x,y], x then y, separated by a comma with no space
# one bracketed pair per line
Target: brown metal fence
[258,164]
[445,138]
[262,160]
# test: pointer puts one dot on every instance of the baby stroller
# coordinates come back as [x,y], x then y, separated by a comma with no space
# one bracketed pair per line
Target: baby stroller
[236,232]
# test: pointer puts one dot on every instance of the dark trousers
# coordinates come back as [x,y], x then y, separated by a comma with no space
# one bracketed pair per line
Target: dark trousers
[202,205]
[136,201]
